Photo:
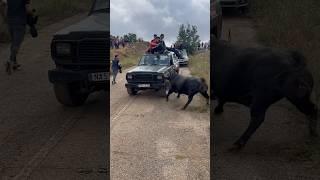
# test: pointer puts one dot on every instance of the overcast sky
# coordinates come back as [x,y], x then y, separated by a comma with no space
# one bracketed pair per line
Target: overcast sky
[146,17]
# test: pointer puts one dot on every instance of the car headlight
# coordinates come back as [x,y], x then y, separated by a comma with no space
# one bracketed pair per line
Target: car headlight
[129,76]
[63,49]
[159,77]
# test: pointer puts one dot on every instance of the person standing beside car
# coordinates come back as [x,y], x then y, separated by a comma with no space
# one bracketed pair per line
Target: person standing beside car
[17,11]
[116,67]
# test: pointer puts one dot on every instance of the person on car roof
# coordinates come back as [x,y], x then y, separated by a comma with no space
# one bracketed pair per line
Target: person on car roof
[153,44]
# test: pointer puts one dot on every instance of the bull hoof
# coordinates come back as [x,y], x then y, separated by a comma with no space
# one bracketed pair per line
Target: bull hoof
[183,108]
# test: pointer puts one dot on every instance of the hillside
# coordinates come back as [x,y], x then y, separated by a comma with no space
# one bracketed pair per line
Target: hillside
[130,55]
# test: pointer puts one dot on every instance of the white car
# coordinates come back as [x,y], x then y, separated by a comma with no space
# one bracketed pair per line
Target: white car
[185,59]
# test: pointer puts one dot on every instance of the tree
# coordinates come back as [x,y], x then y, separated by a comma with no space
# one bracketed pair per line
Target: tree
[130,37]
[188,38]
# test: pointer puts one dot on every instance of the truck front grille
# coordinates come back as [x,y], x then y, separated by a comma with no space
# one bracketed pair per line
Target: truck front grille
[93,51]
[143,77]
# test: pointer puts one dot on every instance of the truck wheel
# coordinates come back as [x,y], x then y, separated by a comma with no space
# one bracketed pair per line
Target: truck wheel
[164,91]
[69,94]
[132,91]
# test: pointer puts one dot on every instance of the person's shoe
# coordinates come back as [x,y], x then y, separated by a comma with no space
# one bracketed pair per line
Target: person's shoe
[8,67]
[16,66]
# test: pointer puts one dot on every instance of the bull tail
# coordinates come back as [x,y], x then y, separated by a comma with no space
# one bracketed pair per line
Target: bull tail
[298,59]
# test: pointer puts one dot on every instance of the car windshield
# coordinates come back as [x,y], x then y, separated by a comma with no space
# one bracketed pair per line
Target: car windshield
[101,6]
[148,60]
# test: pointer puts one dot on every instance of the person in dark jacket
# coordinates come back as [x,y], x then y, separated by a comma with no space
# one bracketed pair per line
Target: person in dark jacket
[116,67]
[17,11]
[162,47]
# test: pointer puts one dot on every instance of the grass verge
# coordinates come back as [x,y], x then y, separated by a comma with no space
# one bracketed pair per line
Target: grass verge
[130,55]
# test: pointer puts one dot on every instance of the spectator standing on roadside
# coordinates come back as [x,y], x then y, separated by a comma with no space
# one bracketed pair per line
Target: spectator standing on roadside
[17,11]
[116,67]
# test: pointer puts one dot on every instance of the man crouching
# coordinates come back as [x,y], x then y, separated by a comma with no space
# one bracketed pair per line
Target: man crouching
[189,86]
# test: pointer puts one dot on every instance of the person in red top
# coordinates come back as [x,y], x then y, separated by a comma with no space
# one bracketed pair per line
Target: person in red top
[154,43]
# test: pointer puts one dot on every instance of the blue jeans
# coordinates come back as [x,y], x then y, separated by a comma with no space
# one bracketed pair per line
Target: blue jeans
[17,32]
[114,74]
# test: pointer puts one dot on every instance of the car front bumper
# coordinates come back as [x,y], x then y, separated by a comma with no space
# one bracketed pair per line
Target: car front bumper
[156,86]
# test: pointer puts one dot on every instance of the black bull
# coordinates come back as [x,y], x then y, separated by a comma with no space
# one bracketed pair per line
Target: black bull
[257,78]
[189,86]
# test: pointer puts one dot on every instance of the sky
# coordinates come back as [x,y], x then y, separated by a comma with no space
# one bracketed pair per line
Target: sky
[148,17]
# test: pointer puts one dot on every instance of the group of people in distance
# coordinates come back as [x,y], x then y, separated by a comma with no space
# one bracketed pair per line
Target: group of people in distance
[157,45]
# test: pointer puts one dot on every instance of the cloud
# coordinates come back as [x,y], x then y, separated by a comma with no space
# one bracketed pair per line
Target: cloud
[146,17]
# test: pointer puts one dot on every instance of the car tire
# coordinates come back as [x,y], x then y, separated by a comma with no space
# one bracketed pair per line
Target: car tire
[70,94]
[164,90]
[132,91]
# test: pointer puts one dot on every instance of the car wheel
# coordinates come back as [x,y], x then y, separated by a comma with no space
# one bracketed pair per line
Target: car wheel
[70,94]
[132,91]
[165,90]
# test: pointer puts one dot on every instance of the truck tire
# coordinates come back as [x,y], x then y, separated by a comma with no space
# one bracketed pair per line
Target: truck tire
[132,91]
[69,94]
[164,91]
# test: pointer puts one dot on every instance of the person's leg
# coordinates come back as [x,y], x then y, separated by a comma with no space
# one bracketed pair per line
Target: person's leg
[115,76]
[18,37]
[9,62]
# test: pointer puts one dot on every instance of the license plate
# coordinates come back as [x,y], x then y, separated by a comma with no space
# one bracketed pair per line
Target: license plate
[144,85]
[100,76]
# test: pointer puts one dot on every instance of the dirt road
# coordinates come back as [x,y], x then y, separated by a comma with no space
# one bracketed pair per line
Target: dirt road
[39,138]
[277,149]
[154,139]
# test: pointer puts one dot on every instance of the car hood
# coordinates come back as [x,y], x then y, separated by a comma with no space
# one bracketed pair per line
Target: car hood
[95,22]
[152,69]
